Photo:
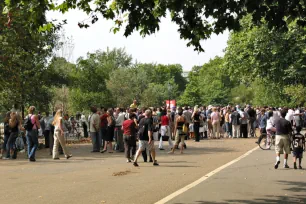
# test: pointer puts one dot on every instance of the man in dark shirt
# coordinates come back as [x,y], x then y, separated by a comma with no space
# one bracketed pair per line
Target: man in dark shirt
[252,117]
[282,142]
[235,118]
[145,135]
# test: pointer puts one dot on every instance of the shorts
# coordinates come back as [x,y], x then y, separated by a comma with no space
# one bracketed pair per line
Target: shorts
[179,137]
[143,144]
[282,144]
[297,154]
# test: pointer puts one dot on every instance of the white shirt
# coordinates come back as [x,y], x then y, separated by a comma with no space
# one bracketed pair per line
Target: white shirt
[297,111]
[94,122]
[269,123]
[120,119]
[289,115]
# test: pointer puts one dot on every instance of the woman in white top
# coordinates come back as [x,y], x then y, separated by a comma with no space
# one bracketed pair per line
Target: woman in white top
[59,136]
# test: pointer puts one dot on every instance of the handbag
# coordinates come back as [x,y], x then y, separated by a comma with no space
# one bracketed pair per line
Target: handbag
[185,129]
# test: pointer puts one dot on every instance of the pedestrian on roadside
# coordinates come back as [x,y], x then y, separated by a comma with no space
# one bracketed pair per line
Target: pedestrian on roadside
[146,137]
[282,142]
[59,138]
[196,116]
[165,130]
[84,125]
[215,120]
[298,144]
[46,132]
[235,118]
[103,125]
[111,122]
[129,136]
[7,133]
[94,129]
[180,121]
[120,117]
[32,125]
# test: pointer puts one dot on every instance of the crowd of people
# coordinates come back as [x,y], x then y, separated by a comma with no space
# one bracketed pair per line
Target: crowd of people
[174,125]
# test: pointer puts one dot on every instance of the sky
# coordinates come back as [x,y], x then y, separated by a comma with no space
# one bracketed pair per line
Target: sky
[164,47]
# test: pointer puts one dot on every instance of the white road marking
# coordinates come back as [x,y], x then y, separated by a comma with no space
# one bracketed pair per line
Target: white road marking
[186,188]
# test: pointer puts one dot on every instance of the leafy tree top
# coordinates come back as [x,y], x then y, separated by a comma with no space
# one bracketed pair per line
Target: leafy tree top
[197,20]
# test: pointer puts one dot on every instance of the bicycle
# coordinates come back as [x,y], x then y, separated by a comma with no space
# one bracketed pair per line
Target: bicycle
[267,140]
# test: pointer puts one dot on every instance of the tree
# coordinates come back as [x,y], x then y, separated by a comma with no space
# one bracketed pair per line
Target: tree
[197,20]
[24,54]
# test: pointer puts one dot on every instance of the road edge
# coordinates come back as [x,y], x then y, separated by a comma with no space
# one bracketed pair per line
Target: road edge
[200,180]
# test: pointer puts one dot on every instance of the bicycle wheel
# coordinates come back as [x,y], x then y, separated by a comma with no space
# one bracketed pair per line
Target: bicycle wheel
[265,143]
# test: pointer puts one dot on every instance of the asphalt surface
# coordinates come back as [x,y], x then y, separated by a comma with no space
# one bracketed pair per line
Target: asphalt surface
[251,180]
[107,178]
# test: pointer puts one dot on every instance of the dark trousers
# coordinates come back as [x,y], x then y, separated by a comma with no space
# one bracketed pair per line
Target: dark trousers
[47,139]
[119,139]
[129,144]
[85,129]
[196,127]
[51,143]
[244,130]
[11,145]
[145,156]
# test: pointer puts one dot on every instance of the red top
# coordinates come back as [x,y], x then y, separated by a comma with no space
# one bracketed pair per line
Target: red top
[103,120]
[129,128]
[164,120]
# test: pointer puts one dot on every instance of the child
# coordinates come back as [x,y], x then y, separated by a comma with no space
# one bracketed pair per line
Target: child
[298,144]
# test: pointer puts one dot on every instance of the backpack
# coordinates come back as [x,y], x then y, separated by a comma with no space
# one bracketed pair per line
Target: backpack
[28,125]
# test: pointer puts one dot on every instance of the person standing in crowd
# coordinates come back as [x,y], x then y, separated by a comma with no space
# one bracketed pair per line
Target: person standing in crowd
[120,116]
[215,120]
[94,129]
[146,137]
[297,117]
[252,118]
[47,130]
[209,123]
[32,125]
[244,124]
[103,125]
[14,126]
[134,104]
[282,142]
[196,123]
[178,131]
[235,118]
[110,131]
[84,125]
[165,130]
[187,114]
[59,132]
[228,124]
[129,136]
[7,132]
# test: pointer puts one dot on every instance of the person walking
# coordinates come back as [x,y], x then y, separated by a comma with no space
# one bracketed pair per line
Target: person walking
[129,136]
[31,126]
[146,137]
[59,138]
[282,142]
[47,130]
[94,129]
[180,121]
[165,130]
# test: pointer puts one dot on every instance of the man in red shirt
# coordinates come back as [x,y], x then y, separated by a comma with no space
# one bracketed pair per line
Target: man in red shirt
[129,136]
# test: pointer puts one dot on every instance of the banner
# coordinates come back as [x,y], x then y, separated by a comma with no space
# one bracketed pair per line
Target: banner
[172,103]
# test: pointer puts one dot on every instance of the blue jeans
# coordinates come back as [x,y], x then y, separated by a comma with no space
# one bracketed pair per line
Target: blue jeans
[228,127]
[32,140]
[5,139]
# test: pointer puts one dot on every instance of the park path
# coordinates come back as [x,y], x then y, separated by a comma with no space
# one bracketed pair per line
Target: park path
[251,180]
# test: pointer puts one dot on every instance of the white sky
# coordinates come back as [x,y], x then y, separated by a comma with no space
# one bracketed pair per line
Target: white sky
[164,47]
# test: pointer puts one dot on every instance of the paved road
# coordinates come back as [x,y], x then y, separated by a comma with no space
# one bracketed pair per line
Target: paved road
[252,180]
[107,178]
